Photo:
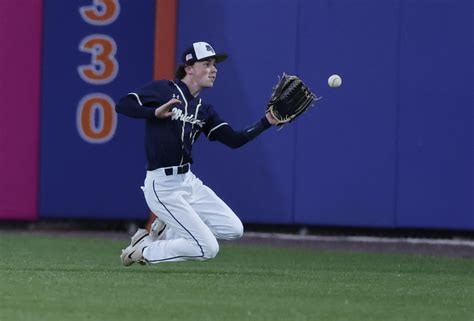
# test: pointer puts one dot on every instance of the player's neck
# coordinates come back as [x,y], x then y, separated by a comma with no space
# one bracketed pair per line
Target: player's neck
[194,87]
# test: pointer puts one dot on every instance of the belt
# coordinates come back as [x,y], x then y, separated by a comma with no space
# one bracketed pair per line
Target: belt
[180,170]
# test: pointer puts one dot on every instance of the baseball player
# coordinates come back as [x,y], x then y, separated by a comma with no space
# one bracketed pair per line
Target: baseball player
[175,116]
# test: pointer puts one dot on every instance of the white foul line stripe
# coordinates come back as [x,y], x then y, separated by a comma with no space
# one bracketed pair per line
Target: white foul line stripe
[360,239]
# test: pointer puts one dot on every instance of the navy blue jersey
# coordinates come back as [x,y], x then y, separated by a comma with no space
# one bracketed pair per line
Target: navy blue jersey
[168,141]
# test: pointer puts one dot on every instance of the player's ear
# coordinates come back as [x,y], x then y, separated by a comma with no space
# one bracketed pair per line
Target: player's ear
[189,69]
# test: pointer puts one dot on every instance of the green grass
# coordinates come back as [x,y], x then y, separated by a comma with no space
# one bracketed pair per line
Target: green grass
[57,279]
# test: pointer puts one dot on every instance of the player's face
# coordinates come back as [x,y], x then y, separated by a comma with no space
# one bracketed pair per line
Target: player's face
[204,73]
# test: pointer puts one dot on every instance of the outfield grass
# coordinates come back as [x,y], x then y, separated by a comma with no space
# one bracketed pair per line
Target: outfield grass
[58,279]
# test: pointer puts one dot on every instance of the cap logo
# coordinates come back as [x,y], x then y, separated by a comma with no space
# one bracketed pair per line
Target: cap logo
[209,48]
[189,57]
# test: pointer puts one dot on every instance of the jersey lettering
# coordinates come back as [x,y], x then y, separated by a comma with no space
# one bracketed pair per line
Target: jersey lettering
[101,13]
[96,119]
[103,67]
[178,114]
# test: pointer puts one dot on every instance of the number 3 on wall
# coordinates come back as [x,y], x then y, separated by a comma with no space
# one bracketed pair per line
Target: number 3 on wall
[96,118]
[103,67]
[102,12]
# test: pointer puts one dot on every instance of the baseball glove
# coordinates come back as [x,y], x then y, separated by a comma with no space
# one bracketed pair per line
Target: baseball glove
[290,98]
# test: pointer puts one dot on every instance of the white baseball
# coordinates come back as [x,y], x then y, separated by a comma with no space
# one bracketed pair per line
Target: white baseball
[335,81]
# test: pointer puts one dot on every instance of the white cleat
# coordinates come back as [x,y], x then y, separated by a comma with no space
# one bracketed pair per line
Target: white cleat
[157,230]
[134,252]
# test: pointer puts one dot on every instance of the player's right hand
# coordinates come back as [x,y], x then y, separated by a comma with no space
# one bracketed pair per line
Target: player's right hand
[164,110]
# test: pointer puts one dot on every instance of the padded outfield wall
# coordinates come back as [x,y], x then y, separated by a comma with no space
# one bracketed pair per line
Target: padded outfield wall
[393,147]
[20,65]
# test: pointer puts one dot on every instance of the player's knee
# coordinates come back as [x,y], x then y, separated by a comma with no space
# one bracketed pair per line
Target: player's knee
[236,231]
[211,249]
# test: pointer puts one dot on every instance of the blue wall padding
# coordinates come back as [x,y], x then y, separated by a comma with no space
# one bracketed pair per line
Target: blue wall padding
[79,179]
[349,141]
[391,148]
[249,179]
[435,132]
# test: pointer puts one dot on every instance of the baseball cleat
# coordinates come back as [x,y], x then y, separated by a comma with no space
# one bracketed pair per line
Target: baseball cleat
[157,230]
[138,236]
[134,252]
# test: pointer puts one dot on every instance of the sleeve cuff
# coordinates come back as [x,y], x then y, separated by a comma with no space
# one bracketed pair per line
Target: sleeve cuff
[265,122]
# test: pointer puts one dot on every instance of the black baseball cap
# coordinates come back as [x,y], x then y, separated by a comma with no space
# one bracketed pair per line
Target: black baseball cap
[201,51]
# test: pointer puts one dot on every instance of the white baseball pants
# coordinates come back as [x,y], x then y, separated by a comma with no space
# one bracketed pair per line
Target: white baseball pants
[195,216]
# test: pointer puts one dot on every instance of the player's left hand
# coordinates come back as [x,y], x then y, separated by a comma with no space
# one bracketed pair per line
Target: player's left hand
[290,98]
[272,120]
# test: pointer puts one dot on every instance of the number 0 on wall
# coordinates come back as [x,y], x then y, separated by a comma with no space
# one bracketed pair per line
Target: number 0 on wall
[96,118]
